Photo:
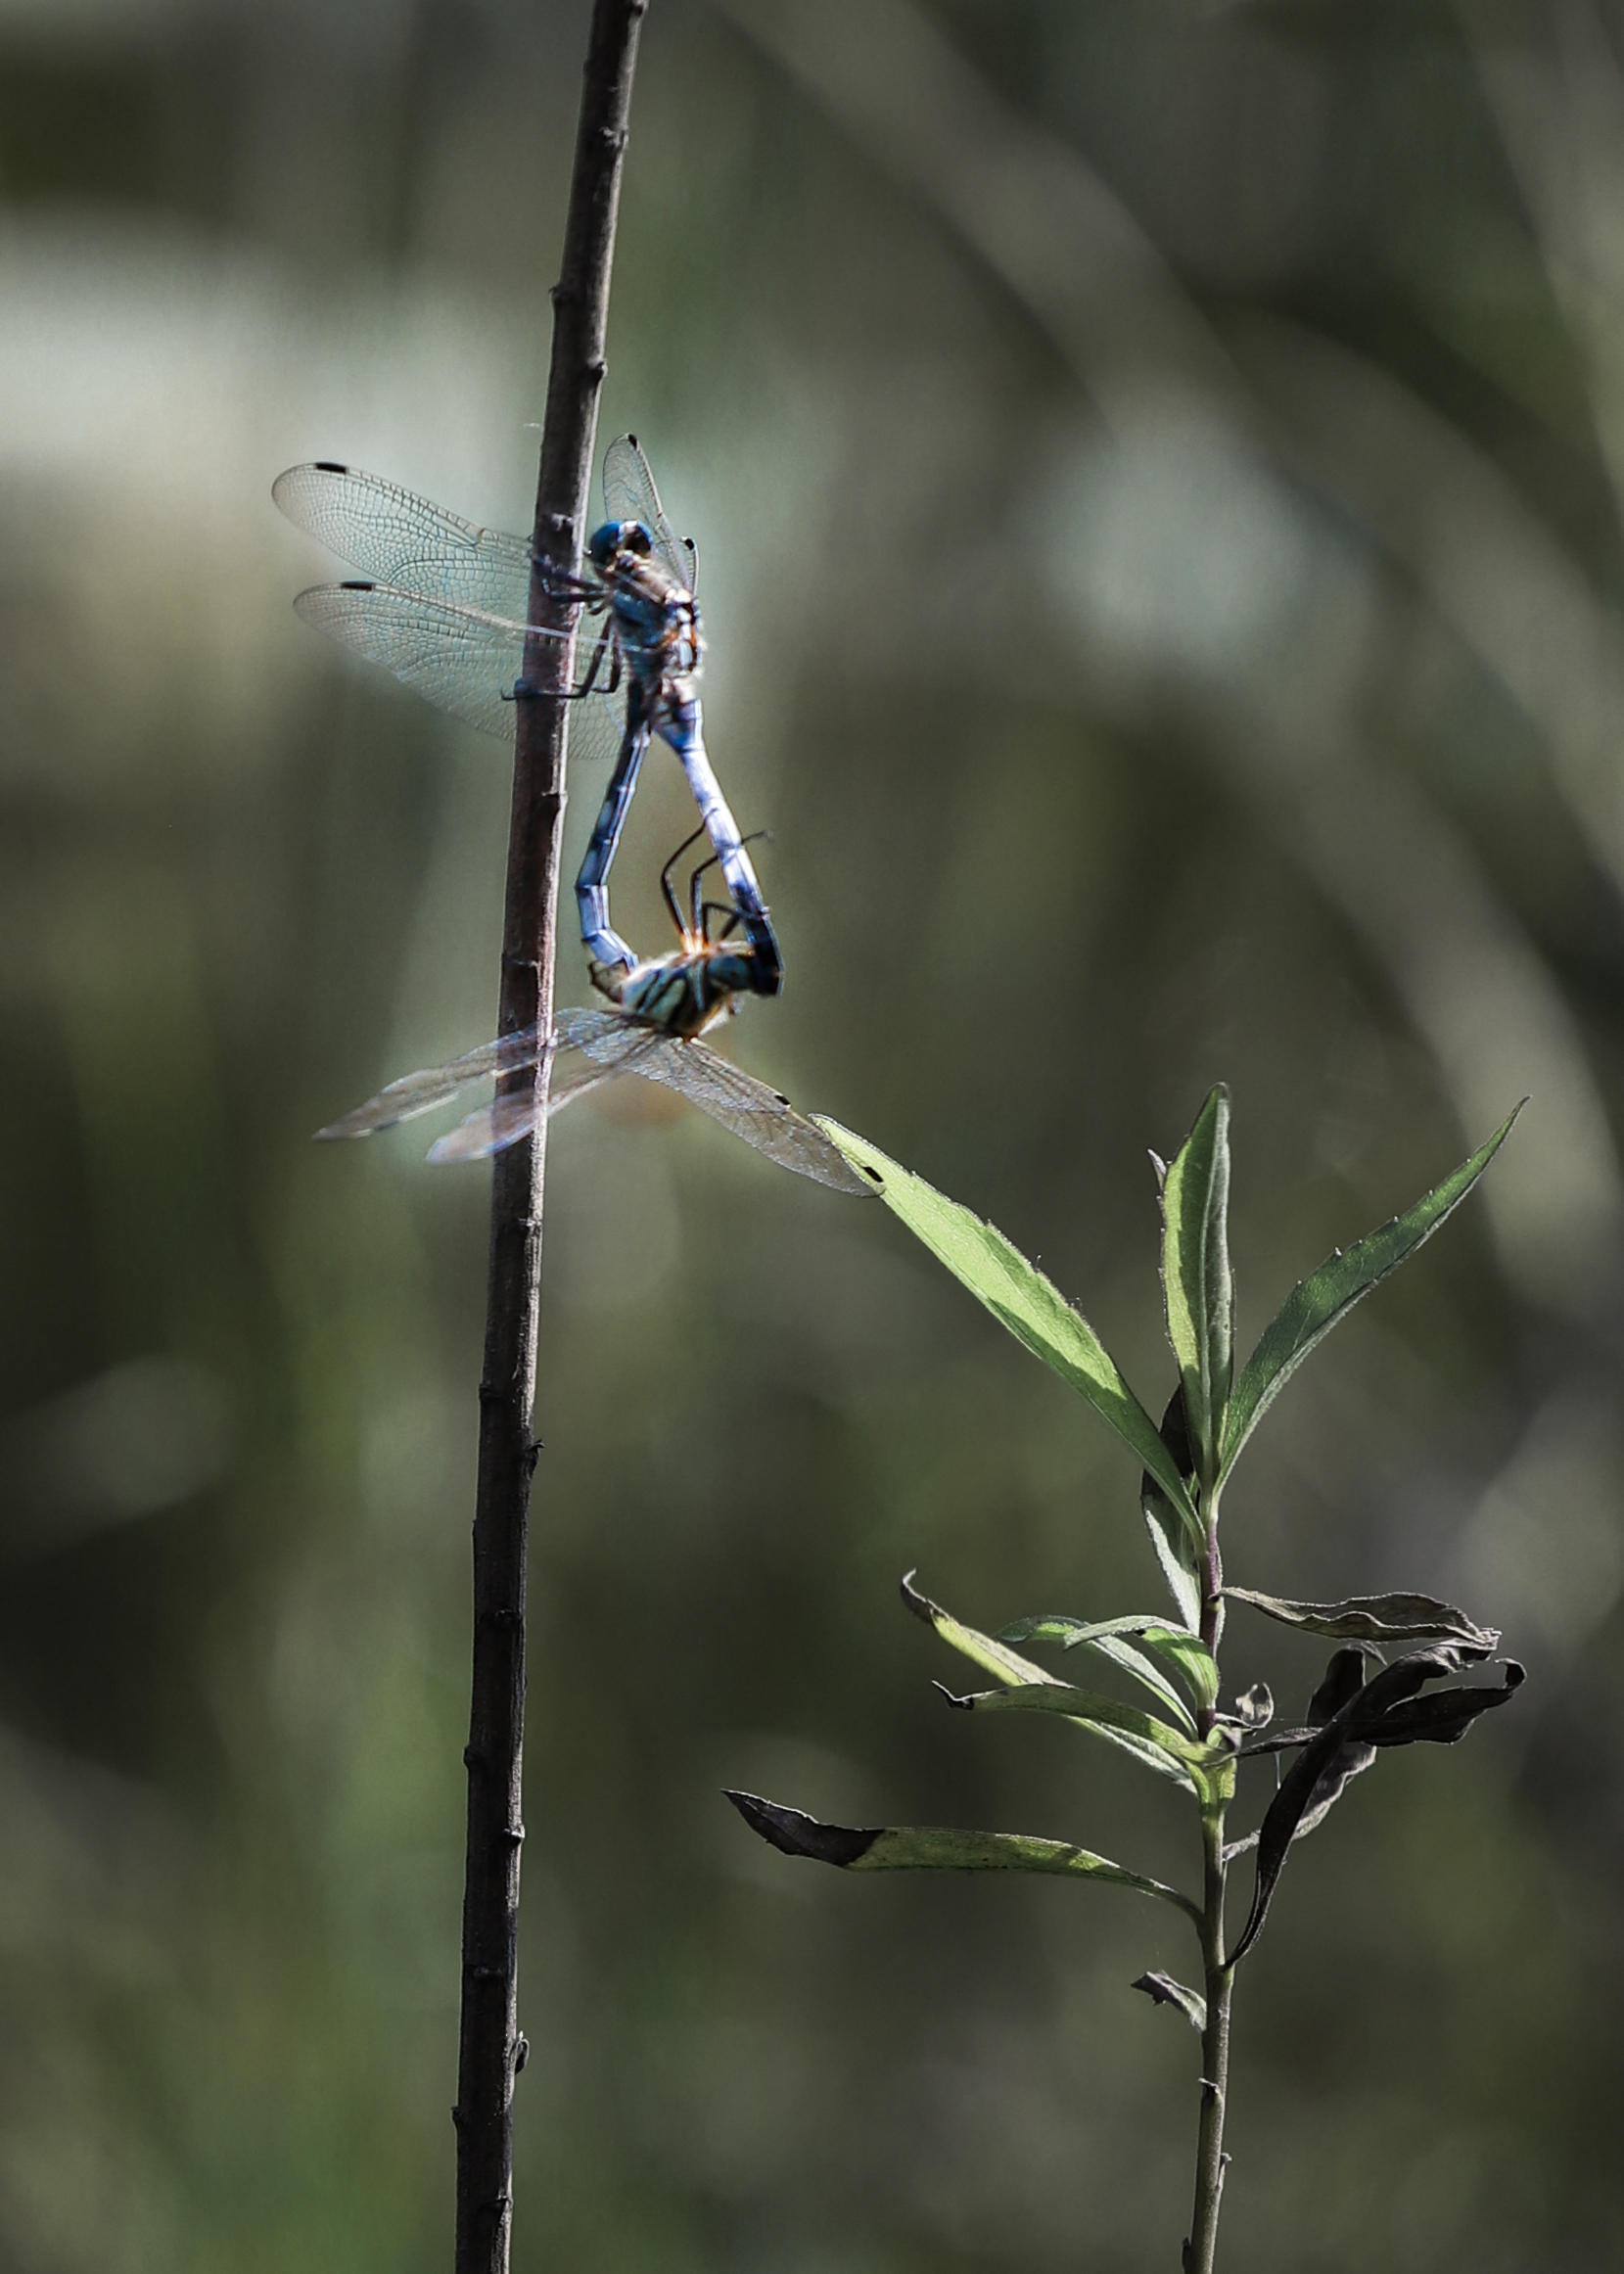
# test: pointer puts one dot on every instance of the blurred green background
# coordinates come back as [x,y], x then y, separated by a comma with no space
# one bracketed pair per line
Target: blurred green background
[1159,473]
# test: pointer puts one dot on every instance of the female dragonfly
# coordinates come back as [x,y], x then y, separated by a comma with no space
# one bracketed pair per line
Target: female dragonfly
[443,605]
[661,1009]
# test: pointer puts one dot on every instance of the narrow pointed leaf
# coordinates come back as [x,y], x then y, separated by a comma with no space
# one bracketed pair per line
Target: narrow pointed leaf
[991,1656]
[1019,1295]
[1163,1990]
[1176,1532]
[1181,1650]
[1317,1304]
[1383,1711]
[1195,1275]
[1373,1618]
[1178,1549]
[1108,1640]
[926,1849]
[1095,1711]
[1008,1666]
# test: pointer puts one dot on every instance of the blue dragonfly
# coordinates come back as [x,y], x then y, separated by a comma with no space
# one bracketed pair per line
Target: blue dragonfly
[442,604]
[651,1027]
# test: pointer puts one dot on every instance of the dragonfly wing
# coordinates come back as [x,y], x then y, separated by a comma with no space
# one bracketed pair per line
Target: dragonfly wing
[507,1119]
[461,661]
[421,1093]
[401,538]
[761,1116]
[629,495]
[597,723]
[487,1129]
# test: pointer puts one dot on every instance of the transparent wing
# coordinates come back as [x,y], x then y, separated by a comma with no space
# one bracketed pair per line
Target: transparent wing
[458,659]
[608,1045]
[505,1120]
[629,495]
[761,1116]
[401,538]
[421,1093]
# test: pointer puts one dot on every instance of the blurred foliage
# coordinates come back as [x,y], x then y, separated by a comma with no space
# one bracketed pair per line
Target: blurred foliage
[1158,471]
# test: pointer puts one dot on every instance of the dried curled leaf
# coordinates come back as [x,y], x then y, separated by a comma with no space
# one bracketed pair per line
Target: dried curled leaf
[1163,1990]
[1385,1711]
[1373,1618]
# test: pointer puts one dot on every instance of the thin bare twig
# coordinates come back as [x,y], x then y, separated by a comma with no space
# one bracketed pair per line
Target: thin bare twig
[491,2049]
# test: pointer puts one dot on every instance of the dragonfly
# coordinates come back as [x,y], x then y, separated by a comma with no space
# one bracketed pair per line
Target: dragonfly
[651,1027]
[443,605]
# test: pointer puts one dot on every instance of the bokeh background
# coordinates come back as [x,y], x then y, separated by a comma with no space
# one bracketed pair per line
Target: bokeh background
[1158,471]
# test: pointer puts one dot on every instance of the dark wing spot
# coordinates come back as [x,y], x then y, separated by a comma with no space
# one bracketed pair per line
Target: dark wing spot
[357,585]
[632,439]
[329,466]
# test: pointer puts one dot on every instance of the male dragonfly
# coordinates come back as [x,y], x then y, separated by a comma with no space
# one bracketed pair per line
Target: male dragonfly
[444,604]
[661,1009]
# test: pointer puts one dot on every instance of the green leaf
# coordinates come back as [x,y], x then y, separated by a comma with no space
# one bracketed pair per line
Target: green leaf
[1183,1650]
[1176,1551]
[1373,1618]
[1102,1714]
[1007,1666]
[1196,1276]
[1163,1990]
[993,1658]
[925,1849]
[1018,1294]
[1316,1304]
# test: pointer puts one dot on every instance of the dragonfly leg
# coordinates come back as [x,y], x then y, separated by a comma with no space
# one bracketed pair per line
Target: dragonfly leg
[599,934]
[666,883]
[681,726]
[710,908]
[699,910]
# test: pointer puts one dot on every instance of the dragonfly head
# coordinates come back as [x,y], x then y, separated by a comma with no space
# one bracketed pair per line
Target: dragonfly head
[615,537]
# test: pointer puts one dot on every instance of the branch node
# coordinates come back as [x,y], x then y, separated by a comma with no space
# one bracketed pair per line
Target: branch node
[514,1835]
[520,2052]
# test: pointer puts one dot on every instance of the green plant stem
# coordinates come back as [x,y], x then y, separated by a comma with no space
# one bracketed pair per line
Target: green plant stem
[1201,2249]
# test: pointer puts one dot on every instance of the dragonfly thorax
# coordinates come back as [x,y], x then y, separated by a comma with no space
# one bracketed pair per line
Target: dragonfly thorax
[685,991]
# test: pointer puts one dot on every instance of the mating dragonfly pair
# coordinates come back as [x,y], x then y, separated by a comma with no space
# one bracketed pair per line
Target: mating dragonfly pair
[445,605]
